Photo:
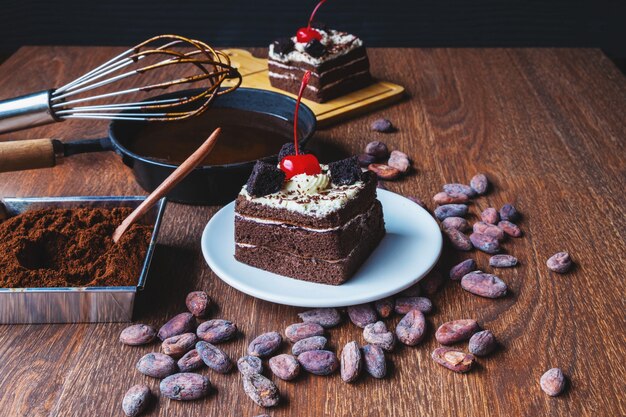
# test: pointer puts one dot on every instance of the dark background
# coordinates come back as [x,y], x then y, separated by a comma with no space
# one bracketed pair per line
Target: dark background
[425,23]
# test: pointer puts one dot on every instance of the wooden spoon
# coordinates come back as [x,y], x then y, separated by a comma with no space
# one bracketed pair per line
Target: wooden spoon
[170,182]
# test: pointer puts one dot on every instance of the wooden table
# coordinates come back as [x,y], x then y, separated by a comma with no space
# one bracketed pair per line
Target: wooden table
[546,125]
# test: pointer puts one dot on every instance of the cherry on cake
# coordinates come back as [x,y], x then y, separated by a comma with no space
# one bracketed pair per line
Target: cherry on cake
[317,227]
[337,60]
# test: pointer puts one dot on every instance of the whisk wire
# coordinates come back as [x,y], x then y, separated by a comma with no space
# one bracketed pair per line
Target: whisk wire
[212,66]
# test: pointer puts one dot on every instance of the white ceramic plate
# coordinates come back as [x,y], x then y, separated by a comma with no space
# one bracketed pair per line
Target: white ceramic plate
[407,253]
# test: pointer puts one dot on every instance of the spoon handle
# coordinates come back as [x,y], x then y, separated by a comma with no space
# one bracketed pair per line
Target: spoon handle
[170,182]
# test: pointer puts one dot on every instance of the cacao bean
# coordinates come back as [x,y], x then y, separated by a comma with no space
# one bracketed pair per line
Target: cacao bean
[185,386]
[261,390]
[490,230]
[411,329]
[405,304]
[382,125]
[484,285]
[485,243]
[179,324]
[377,334]
[490,216]
[325,317]
[285,366]
[458,223]
[464,268]
[445,198]
[482,343]
[351,362]
[502,261]
[432,282]
[456,331]
[384,307]
[459,189]
[299,331]
[377,149]
[214,357]
[479,183]
[157,365]
[453,360]
[451,210]
[319,362]
[374,360]
[138,334]
[310,343]
[458,240]
[365,159]
[509,228]
[552,382]
[266,344]
[508,212]
[362,315]
[560,262]
[198,303]
[190,361]
[216,331]
[177,346]
[136,399]
[400,161]
[249,365]
[384,172]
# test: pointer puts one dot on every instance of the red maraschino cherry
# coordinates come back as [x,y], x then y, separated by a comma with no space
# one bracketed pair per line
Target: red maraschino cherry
[307,34]
[296,164]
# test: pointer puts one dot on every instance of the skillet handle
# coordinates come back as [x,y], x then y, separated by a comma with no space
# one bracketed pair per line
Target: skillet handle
[29,154]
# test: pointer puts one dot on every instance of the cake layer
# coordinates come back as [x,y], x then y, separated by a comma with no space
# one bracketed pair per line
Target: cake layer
[312,269]
[321,243]
[278,70]
[329,92]
[353,199]
[340,47]
[358,55]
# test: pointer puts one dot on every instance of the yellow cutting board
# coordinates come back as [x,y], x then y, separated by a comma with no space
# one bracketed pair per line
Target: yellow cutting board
[255,75]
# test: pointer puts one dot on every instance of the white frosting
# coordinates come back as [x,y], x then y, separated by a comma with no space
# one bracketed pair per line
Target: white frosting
[307,184]
[320,204]
[315,74]
[360,218]
[336,43]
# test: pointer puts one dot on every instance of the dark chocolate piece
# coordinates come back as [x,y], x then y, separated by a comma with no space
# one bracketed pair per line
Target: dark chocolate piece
[265,179]
[346,171]
[315,48]
[289,149]
[283,46]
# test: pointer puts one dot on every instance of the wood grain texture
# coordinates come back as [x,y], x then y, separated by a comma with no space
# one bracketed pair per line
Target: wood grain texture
[547,127]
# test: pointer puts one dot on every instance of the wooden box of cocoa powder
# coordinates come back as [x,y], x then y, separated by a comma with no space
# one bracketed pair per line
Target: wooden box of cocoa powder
[93,302]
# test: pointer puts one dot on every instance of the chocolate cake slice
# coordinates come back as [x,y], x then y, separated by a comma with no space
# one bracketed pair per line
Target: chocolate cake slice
[316,228]
[338,63]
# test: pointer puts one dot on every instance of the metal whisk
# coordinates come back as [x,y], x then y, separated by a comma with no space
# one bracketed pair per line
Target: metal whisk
[70,102]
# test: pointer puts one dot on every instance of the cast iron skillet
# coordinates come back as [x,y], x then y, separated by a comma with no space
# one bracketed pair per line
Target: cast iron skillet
[206,185]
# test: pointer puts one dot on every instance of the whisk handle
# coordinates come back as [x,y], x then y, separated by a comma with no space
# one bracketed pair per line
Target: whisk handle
[29,154]
[26,111]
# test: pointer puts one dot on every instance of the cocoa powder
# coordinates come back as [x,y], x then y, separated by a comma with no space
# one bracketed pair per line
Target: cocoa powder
[71,248]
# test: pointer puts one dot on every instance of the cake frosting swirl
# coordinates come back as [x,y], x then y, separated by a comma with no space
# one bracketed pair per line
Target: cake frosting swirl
[313,195]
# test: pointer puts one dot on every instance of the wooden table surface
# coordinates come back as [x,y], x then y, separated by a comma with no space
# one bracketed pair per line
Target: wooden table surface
[546,125]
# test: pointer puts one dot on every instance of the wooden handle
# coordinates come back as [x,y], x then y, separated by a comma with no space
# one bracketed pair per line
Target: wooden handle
[170,182]
[26,154]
